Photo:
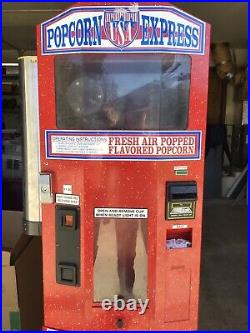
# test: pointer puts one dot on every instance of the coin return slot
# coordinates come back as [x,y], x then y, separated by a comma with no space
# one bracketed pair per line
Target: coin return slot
[67,274]
[179,239]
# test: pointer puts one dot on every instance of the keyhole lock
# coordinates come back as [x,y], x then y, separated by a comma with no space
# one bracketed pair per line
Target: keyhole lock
[44,189]
[119,323]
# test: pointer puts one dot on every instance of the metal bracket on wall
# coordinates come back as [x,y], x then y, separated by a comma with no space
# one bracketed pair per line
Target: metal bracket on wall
[32,228]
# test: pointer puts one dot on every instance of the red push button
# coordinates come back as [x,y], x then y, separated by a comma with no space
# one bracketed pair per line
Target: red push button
[69,221]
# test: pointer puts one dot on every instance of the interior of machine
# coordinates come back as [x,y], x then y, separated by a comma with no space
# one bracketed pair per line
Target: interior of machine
[122,92]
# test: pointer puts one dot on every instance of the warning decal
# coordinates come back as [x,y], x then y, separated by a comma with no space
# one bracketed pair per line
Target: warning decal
[121,213]
[123,145]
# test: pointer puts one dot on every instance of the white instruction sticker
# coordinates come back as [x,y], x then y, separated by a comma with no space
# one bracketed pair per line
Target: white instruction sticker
[67,189]
[67,199]
[121,213]
[177,168]
[179,226]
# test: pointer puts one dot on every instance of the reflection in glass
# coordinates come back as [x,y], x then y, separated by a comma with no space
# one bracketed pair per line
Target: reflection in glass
[120,258]
[121,91]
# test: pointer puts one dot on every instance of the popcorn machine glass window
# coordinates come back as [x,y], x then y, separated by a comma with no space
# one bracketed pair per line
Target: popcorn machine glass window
[120,258]
[122,92]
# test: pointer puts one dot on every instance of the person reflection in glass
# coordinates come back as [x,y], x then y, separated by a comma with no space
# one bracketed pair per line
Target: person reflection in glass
[136,109]
[134,116]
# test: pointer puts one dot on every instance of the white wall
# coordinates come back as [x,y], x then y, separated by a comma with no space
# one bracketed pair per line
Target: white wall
[234,104]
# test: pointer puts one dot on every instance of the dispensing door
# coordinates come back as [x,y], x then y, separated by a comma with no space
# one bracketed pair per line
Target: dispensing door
[122,120]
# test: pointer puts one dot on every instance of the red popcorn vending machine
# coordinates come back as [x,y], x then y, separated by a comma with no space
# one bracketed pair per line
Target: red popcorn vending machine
[122,114]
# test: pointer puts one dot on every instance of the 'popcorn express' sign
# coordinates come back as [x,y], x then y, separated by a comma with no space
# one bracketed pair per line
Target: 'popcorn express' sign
[127,29]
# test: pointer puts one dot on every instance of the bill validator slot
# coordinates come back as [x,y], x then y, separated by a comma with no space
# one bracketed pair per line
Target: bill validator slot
[181,200]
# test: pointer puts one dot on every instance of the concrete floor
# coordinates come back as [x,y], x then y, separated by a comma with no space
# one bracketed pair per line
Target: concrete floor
[224,285]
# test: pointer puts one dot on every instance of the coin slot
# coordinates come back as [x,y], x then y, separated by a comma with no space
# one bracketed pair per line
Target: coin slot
[68,221]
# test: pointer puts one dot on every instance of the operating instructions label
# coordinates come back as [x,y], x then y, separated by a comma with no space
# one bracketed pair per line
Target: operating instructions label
[123,145]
